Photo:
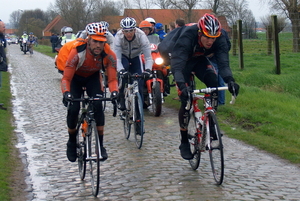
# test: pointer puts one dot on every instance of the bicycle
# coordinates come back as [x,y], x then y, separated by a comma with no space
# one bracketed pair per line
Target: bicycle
[204,132]
[88,144]
[134,113]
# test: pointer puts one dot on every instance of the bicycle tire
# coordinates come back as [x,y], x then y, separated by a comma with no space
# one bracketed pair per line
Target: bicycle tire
[81,149]
[156,99]
[216,154]
[126,117]
[126,124]
[94,157]
[139,121]
[194,140]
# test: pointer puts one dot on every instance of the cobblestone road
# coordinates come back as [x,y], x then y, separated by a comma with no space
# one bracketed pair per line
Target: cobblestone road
[155,172]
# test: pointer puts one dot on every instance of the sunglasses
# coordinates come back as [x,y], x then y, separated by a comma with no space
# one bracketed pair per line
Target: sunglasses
[128,31]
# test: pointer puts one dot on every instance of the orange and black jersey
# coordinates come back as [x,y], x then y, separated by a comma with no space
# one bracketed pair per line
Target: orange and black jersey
[85,64]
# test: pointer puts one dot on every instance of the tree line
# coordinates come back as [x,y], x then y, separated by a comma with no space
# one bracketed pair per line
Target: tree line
[80,12]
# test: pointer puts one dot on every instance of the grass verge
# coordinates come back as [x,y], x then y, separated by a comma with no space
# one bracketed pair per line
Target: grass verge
[8,161]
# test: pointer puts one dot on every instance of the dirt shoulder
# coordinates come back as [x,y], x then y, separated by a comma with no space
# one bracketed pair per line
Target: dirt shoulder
[17,180]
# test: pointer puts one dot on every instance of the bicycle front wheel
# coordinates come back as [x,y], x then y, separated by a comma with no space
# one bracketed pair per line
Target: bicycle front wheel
[81,149]
[138,120]
[94,157]
[126,124]
[216,149]
[194,135]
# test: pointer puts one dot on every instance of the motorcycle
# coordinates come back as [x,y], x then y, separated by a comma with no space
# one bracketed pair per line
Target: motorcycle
[155,86]
[24,46]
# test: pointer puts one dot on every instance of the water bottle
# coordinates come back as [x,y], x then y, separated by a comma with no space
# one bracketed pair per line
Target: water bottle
[84,126]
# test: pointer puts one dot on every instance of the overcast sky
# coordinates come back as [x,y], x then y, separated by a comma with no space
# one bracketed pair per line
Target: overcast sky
[9,6]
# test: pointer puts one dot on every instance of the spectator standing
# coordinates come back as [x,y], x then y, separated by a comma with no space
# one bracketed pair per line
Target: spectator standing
[166,46]
[171,26]
[3,64]
[54,41]
[160,31]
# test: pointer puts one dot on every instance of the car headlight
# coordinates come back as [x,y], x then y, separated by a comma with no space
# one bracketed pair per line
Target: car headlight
[159,61]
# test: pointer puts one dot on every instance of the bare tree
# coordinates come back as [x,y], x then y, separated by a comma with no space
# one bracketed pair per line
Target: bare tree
[81,12]
[214,5]
[267,21]
[163,4]
[143,4]
[32,21]
[186,6]
[14,19]
[291,10]
[77,12]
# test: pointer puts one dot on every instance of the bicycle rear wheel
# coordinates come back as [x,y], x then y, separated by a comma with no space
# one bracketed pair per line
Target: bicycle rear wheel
[94,157]
[139,120]
[216,149]
[81,149]
[193,135]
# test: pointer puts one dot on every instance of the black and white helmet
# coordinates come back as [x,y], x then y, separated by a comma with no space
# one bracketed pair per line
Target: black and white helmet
[128,23]
[105,23]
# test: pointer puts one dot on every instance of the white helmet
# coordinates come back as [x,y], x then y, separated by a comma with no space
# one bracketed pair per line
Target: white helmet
[68,30]
[151,20]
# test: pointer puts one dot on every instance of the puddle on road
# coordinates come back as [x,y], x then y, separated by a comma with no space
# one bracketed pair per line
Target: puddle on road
[26,144]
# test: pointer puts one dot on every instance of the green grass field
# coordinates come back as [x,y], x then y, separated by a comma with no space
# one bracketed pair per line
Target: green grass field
[266,113]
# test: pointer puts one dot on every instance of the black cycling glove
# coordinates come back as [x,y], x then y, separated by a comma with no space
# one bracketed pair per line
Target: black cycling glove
[123,73]
[184,92]
[67,96]
[147,73]
[114,95]
[233,88]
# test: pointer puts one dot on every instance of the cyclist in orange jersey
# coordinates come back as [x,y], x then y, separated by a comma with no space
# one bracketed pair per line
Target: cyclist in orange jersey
[83,70]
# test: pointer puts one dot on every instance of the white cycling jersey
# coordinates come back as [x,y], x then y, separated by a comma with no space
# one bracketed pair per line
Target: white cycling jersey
[131,49]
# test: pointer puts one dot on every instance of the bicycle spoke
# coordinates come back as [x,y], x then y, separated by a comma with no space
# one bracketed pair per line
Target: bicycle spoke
[194,141]
[216,149]
[94,160]
[127,125]
[81,150]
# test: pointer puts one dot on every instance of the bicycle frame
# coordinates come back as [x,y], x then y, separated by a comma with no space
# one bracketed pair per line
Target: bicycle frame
[88,143]
[202,118]
[130,91]
[133,115]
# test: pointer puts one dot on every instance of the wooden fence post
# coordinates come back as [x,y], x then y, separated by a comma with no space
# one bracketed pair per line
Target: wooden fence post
[276,44]
[269,40]
[240,44]
[234,39]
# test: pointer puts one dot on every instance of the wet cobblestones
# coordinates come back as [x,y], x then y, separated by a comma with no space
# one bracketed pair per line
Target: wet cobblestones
[156,172]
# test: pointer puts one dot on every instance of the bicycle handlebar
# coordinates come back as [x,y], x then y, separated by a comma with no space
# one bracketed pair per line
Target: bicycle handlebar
[91,99]
[210,89]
